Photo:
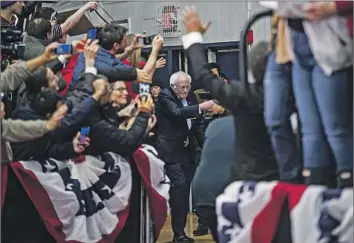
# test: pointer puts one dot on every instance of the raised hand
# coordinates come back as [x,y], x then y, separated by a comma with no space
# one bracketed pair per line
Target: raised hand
[49,53]
[146,103]
[157,42]
[320,10]
[90,52]
[90,6]
[160,63]
[135,45]
[192,21]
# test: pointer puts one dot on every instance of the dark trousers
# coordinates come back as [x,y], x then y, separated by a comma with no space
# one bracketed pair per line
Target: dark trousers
[207,215]
[179,199]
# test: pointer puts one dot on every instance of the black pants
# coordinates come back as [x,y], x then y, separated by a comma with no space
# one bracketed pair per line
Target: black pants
[207,215]
[181,177]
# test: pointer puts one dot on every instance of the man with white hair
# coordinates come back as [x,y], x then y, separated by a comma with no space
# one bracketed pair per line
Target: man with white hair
[178,115]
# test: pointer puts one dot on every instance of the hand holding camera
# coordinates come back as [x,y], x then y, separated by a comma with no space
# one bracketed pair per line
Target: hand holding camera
[142,76]
[54,49]
[135,45]
[90,52]
[81,140]
[157,43]
[49,52]
[146,103]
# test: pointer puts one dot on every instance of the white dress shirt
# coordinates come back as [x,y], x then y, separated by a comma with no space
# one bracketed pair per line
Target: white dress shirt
[189,121]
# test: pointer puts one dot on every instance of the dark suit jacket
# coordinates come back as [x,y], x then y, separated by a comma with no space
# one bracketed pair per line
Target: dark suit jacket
[255,159]
[173,128]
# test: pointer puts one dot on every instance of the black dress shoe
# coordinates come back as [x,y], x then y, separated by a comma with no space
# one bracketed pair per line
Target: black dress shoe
[201,230]
[182,239]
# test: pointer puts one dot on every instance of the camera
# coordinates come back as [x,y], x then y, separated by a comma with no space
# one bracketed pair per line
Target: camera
[12,46]
[205,95]
[147,40]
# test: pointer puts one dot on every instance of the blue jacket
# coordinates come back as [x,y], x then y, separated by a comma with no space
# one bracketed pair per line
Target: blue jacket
[104,62]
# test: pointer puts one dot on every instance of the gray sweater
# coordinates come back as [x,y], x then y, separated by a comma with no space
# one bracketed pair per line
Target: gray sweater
[212,175]
[16,130]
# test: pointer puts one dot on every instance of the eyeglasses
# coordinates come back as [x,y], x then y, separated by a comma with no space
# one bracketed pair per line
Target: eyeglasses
[120,89]
[187,87]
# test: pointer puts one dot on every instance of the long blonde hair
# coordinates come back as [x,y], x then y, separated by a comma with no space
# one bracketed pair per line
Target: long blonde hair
[135,57]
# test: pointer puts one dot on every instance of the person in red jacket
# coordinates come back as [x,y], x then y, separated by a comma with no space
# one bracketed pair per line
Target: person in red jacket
[324,10]
[67,72]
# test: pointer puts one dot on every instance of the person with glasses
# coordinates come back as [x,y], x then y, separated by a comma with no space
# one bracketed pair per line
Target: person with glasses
[179,123]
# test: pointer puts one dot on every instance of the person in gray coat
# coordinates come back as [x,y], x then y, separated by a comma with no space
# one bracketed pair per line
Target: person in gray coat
[216,160]
[17,130]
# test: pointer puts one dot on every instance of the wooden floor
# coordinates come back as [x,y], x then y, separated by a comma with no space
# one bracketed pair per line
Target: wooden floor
[166,234]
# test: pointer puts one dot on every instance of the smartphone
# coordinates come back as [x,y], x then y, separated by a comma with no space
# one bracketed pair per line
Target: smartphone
[64,49]
[84,133]
[2,96]
[92,34]
[144,88]
[147,40]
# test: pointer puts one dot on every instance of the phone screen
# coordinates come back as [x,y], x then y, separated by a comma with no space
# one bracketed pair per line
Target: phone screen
[64,49]
[92,33]
[84,133]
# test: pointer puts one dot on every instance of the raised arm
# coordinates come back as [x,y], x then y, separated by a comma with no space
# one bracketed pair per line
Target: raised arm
[15,74]
[74,19]
[229,96]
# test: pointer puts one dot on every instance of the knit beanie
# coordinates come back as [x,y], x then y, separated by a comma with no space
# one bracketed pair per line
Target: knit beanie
[5,4]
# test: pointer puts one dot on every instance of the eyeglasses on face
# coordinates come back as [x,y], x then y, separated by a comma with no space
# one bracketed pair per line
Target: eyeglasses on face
[186,87]
[120,89]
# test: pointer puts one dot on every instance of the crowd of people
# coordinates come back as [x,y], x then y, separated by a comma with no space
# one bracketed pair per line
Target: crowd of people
[305,69]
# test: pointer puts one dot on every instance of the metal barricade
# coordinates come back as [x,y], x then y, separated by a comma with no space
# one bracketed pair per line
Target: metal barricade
[146,225]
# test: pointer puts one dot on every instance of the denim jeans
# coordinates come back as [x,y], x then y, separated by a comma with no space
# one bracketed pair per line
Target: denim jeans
[278,106]
[325,109]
